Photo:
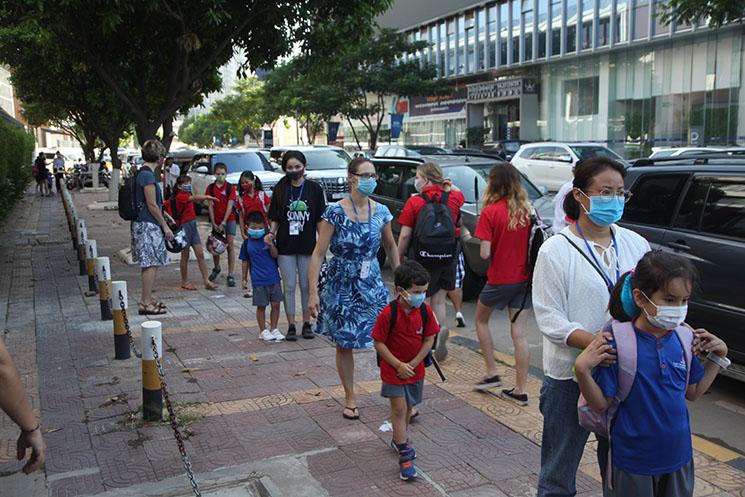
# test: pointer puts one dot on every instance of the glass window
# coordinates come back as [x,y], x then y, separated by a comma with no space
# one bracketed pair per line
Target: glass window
[542,19]
[482,62]
[654,200]
[571,34]
[659,26]
[451,47]
[327,159]
[689,215]
[724,213]
[555,27]
[528,30]
[460,49]
[588,151]
[389,180]
[604,15]
[581,97]
[470,39]
[504,19]
[641,19]
[515,15]
[622,21]
[247,161]
[432,38]
[443,47]
[586,15]
[492,33]
[407,180]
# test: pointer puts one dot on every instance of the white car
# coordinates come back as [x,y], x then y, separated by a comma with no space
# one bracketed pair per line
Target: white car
[327,165]
[202,172]
[662,152]
[550,164]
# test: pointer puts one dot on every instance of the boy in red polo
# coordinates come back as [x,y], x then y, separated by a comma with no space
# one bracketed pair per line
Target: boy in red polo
[404,334]
[222,217]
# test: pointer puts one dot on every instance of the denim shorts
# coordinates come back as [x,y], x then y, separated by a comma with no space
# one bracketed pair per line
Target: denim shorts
[263,295]
[191,233]
[412,391]
[230,228]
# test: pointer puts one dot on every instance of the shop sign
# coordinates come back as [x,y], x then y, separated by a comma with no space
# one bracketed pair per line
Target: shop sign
[435,105]
[501,90]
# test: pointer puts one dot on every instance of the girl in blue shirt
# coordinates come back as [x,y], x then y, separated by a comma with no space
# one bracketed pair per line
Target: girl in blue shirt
[651,450]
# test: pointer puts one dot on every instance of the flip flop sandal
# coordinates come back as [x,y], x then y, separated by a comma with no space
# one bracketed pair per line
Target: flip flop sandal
[159,304]
[354,410]
[414,415]
[212,288]
[189,286]
[151,309]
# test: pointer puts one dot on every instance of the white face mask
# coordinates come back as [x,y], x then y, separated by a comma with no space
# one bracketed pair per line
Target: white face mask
[668,316]
[419,185]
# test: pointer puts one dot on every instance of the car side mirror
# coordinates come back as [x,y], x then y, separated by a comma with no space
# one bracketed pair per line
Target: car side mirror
[202,170]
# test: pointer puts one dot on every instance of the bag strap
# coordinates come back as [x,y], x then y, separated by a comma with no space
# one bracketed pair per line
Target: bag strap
[685,335]
[594,266]
[625,337]
[394,312]
[426,198]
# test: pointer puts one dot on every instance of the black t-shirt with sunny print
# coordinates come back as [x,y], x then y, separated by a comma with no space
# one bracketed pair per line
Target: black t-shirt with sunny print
[297,209]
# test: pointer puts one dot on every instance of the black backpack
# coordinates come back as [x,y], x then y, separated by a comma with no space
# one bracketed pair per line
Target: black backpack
[129,210]
[429,360]
[538,234]
[434,243]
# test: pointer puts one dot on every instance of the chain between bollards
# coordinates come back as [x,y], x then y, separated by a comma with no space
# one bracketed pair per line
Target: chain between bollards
[174,423]
[123,308]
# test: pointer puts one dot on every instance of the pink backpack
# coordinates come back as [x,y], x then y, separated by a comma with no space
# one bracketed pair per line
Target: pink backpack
[625,338]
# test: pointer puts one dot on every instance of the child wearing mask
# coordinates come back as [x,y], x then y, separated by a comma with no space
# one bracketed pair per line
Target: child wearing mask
[222,217]
[251,198]
[650,433]
[260,256]
[180,207]
[404,334]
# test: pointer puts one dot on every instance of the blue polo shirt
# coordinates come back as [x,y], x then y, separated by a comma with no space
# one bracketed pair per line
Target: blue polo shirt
[651,433]
[264,270]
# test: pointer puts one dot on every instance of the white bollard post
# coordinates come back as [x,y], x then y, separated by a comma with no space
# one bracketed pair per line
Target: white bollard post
[152,399]
[103,270]
[91,254]
[120,305]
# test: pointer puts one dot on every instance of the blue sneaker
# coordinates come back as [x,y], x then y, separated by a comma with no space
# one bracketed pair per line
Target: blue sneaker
[403,446]
[406,467]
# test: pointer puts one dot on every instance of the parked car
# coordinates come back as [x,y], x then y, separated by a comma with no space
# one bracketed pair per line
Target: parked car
[428,149]
[327,165]
[509,147]
[396,184]
[237,161]
[662,152]
[550,164]
[695,207]
[396,151]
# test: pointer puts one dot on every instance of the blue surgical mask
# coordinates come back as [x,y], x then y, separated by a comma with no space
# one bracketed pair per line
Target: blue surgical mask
[415,299]
[258,233]
[604,212]
[186,188]
[366,186]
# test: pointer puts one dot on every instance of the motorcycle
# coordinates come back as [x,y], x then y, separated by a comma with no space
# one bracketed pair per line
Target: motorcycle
[78,178]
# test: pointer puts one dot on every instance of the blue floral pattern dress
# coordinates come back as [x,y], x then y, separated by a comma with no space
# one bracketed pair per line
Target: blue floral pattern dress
[350,304]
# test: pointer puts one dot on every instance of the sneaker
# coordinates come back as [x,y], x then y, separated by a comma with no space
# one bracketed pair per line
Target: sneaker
[291,334]
[267,336]
[441,350]
[231,281]
[214,274]
[406,467]
[488,383]
[459,321]
[307,332]
[278,336]
[404,446]
[519,399]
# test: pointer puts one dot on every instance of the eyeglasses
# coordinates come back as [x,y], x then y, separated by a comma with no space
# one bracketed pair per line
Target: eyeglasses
[610,195]
[366,175]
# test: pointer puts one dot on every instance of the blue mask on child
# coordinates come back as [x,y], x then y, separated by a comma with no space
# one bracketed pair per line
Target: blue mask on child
[366,186]
[604,212]
[416,299]
[186,188]
[259,233]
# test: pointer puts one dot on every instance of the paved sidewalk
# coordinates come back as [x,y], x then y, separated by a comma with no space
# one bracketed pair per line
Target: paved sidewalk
[264,412]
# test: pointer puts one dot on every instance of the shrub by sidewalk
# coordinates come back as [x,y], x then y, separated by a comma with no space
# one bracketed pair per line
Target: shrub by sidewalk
[16,156]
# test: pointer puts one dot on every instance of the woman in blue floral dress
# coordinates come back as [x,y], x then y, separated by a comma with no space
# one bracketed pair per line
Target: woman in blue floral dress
[353,292]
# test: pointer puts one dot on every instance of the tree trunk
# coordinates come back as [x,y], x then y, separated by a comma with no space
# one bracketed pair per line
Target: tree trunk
[168,133]
[112,143]
[354,133]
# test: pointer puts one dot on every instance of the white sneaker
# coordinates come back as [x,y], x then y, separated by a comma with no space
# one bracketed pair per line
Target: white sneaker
[267,336]
[277,335]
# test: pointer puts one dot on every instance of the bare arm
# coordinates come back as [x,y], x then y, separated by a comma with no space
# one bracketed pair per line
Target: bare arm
[152,206]
[707,343]
[404,239]
[202,198]
[231,203]
[404,369]
[594,354]
[485,249]
[426,347]
[389,245]
[580,339]
[325,232]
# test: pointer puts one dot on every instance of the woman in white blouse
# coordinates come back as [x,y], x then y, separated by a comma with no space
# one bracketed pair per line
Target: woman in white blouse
[573,276]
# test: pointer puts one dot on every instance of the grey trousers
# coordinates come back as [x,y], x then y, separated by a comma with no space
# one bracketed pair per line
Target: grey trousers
[677,484]
[294,268]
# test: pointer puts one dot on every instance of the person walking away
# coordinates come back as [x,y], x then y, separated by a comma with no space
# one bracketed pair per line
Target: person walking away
[651,450]
[40,174]
[15,404]
[260,255]
[456,295]
[181,209]
[404,334]
[431,185]
[50,182]
[250,198]
[504,230]
[295,215]
[222,217]
[171,172]
[149,230]
[574,274]
[58,166]
[353,293]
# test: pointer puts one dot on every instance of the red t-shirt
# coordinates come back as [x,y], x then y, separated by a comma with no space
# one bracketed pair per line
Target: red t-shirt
[254,203]
[221,205]
[184,208]
[508,259]
[415,203]
[405,341]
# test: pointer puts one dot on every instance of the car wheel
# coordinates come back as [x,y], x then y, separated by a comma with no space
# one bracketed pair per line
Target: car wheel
[472,284]
[381,256]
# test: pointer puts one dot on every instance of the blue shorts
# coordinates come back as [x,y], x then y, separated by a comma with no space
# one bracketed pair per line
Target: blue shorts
[412,391]
[191,233]
[230,228]
[263,295]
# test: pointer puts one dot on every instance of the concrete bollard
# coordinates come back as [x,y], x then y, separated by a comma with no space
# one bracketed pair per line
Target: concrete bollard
[91,254]
[120,305]
[152,399]
[103,270]
[82,237]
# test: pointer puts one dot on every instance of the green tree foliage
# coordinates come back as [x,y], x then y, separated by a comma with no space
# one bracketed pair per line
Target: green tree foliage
[244,111]
[16,157]
[202,130]
[718,12]
[159,57]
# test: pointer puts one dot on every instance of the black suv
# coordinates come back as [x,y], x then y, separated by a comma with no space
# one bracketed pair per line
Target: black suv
[695,207]
[396,184]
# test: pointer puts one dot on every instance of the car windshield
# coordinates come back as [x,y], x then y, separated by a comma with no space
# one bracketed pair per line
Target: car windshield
[244,161]
[327,159]
[588,151]
[511,146]
[468,178]
[428,150]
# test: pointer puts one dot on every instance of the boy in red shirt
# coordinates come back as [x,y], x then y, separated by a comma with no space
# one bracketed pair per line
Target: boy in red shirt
[402,347]
[222,217]
[180,207]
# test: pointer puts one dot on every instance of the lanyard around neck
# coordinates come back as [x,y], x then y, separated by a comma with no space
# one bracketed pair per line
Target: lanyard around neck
[300,196]
[369,213]
[594,257]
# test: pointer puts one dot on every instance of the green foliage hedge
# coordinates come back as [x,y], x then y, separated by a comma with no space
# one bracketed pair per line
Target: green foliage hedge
[16,158]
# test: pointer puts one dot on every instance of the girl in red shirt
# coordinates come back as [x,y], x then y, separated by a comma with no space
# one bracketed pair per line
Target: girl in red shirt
[504,231]
[250,198]
[180,207]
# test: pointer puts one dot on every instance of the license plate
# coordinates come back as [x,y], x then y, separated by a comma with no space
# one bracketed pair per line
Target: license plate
[338,195]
